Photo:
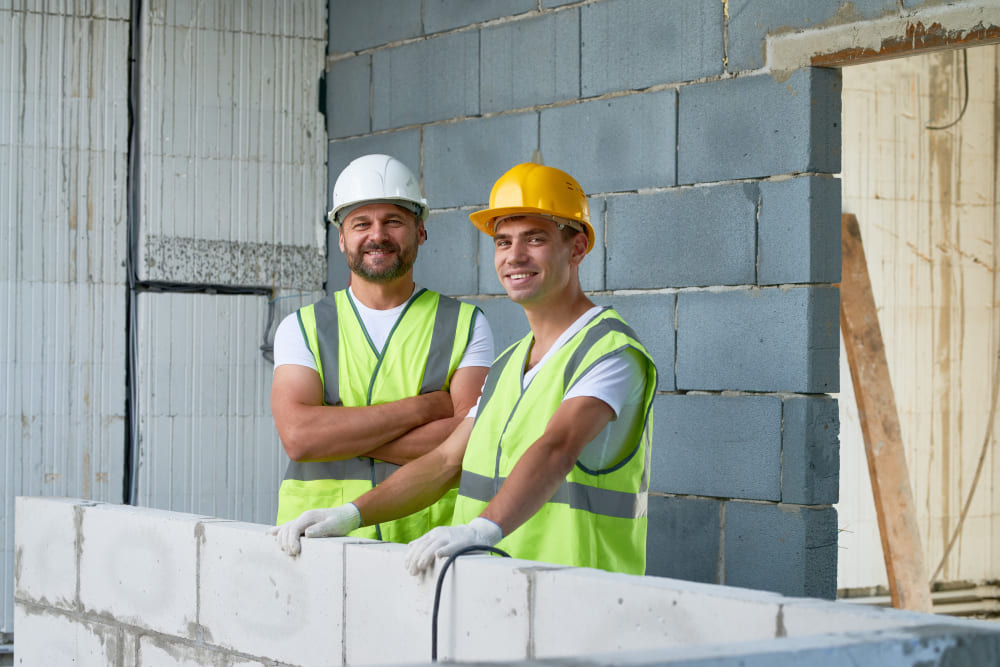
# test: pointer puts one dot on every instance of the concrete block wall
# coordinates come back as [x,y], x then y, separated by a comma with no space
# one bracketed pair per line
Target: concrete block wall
[716,210]
[100,584]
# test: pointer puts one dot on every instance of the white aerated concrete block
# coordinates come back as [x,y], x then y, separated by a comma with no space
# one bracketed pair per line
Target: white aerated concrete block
[137,565]
[45,533]
[257,599]
[388,619]
[807,616]
[50,638]
[620,612]
[485,609]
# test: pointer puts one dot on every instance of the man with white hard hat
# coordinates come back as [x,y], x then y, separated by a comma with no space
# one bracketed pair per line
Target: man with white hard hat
[379,373]
[554,464]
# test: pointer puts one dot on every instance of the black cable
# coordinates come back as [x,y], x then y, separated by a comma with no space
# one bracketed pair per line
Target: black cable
[440,585]
[965,102]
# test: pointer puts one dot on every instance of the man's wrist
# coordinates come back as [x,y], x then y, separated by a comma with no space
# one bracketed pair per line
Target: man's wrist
[488,529]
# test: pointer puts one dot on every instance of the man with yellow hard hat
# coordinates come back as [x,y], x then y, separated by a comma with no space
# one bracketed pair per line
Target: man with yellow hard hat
[553,462]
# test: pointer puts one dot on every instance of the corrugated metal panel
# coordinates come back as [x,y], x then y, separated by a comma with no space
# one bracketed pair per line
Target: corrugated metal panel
[926,203]
[232,143]
[233,188]
[207,441]
[63,125]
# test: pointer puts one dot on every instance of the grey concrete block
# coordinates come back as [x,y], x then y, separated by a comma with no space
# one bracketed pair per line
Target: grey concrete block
[556,3]
[488,281]
[694,237]
[634,44]
[426,81]
[798,232]
[506,319]
[530,62]
[592,267]
[755,126]
[447,14]
[810,458]
[448,261]
[759,340]
[788,549]
[613,145]
[683,538]
[751,21]
[348,108]
[362,24]
[464,159]
[651,316]
[721,446]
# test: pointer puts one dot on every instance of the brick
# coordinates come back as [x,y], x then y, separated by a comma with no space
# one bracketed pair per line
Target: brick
[464,159]
[592,267]
[45,535]
[699,236]
[739,435]
[759,340]
[256,599]
[666,42]
[651,316]
[506,318]
[138,566]
[556,3]
[616,612]
[781,127]
[447,14]
[810,458]
[348,109]
[613,145]
[426,81]
[50,638]
[448,261]
[799,231]
[683,538]
[751,22]
[158,650]
[530,62]
[361,24]
[788,549]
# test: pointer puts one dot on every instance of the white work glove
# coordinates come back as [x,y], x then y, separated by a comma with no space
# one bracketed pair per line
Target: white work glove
[447,540]
[331,522]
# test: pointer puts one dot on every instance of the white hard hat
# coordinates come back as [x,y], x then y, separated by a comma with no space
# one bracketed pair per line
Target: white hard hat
[372,179]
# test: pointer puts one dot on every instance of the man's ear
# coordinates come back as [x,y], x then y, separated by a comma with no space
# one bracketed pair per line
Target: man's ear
[578,250]
[340,239]
[421,232]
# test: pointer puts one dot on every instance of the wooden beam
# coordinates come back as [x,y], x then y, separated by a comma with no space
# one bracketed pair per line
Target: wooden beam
[897,519]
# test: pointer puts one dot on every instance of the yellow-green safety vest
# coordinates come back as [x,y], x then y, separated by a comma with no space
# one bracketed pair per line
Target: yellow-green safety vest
[420,355]
[597,518]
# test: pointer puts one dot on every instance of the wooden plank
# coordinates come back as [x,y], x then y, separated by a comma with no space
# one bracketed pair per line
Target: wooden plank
[897,517]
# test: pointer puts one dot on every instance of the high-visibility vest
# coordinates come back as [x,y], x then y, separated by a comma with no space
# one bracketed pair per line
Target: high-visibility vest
[597,518]
[421,354]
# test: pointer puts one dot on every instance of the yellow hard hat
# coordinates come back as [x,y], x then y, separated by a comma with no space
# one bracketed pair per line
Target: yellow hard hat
[534,189]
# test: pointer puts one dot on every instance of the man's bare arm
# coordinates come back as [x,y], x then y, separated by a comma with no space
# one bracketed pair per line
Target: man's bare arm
[417,484]
[311,431]
[466,384]
[540,471]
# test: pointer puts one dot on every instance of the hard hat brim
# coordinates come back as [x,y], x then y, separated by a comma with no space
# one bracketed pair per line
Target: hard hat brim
[483,220]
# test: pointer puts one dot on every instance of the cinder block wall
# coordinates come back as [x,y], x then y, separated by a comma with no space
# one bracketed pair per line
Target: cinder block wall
[718,231]
[99,584]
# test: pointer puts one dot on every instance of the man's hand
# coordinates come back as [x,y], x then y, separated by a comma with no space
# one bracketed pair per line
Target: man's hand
[332,522]
[447,540]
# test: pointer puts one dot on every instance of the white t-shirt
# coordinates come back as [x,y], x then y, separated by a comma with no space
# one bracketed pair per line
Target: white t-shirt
[290,347]
[619,381]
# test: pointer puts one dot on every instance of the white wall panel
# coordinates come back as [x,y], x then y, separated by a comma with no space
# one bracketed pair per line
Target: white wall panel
[233,152]
[926,203]
[63,125]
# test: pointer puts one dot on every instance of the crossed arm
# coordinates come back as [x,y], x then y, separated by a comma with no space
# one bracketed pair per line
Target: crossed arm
[533,480]
[397,432]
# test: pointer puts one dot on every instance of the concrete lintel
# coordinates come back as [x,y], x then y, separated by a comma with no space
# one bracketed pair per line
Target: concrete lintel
[892,37]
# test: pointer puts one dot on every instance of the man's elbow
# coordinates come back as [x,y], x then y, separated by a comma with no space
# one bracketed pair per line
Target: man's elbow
[296,444]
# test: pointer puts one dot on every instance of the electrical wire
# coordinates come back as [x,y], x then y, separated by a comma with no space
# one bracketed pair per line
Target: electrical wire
[965,102]
[440,586]
[987,439]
